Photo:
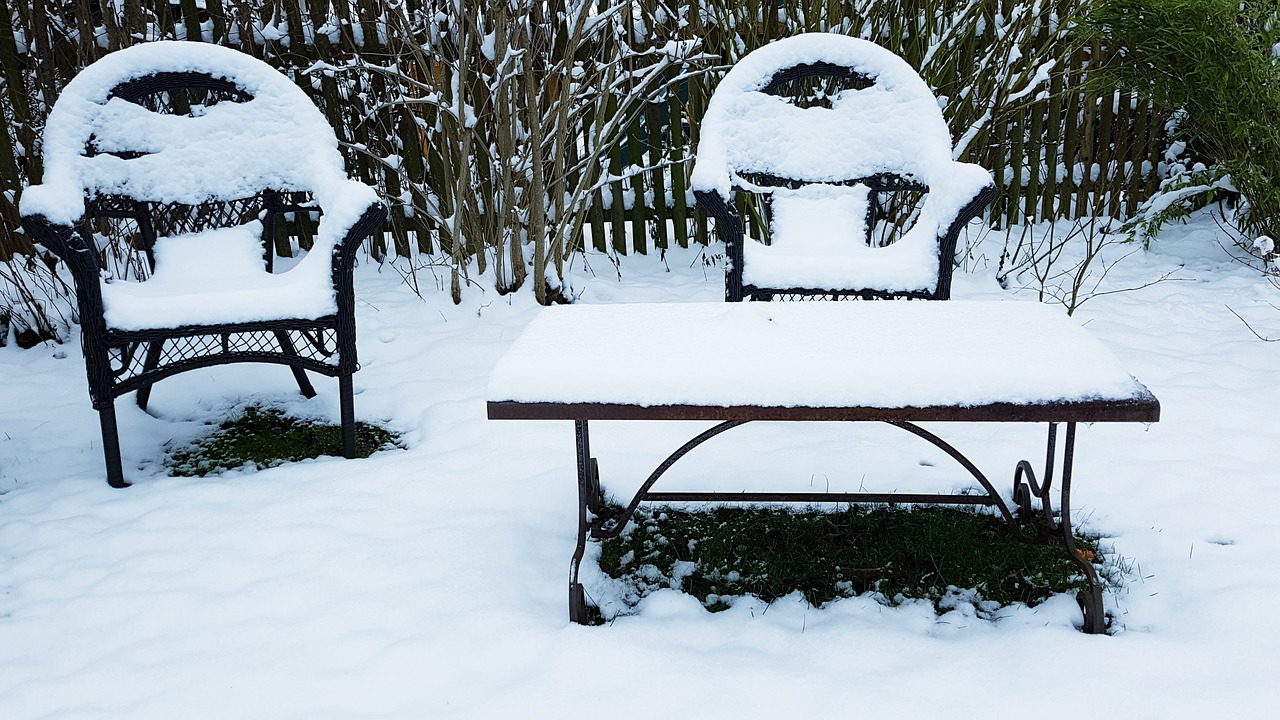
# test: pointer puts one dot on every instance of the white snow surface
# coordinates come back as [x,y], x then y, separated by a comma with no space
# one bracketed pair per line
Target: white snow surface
[894,126]
[217,276]
[430,582]
[832,354]
[819,240]
[230,150]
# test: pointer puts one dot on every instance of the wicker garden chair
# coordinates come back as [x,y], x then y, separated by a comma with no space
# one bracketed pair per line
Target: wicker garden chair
[169,170]
[824,177]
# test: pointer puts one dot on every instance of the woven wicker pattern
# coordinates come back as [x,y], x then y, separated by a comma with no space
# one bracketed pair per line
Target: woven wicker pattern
[176,93]
[125,229]
[314,349]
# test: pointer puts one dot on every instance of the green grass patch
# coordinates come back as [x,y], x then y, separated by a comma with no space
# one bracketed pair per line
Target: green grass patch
[266,437]
[899,553]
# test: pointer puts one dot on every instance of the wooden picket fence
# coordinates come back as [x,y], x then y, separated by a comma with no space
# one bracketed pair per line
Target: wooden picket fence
[1059,152]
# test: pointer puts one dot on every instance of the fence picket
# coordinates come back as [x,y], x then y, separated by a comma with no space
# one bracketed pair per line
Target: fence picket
[1104,159]
[638,211]
[11,67]
[1121,139]
[1053,150]
[617,212]
[676,140]
[694,109]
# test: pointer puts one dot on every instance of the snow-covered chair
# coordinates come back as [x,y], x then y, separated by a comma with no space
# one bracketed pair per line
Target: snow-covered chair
[825,172]
[168,169]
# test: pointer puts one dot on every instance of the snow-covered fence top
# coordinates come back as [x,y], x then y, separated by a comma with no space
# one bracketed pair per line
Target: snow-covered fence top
[275,140]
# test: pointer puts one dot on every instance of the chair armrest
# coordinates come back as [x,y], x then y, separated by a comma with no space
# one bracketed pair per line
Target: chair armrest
[947,240]
[975,207]
[370,220]
[81,257]
[729,230]
[344,253]
[68,243]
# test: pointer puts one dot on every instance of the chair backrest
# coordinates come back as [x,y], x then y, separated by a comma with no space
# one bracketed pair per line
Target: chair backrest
[886,122]
[874,125]
[173,137]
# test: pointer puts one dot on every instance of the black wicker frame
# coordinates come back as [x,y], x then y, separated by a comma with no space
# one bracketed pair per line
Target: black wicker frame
[119,362]
[730,229]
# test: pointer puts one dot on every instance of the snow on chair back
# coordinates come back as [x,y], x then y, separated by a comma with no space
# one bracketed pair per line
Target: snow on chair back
[826,173]
[189,155]
[113,131]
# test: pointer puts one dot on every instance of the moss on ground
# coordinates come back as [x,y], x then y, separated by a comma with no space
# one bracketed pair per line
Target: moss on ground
[926,552]
[266,437]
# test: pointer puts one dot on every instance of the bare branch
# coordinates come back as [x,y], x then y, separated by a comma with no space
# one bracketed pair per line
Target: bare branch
[1250,327]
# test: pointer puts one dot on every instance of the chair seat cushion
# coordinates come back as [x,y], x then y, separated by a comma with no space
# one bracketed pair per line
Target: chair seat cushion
[217,277]
[819,241]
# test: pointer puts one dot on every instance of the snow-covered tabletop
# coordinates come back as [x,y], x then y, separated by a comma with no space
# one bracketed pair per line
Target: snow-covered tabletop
[852,360]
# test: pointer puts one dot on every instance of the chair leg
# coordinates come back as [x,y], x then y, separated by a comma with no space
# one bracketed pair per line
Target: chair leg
[111,447]
[286,347]
[345,394]
[152,361]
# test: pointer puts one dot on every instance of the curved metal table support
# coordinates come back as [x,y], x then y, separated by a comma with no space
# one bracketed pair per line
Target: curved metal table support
[1026,488]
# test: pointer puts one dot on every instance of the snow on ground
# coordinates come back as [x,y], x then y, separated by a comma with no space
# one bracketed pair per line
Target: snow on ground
[431,581]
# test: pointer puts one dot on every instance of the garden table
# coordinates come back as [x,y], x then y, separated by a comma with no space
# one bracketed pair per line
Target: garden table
[893,362]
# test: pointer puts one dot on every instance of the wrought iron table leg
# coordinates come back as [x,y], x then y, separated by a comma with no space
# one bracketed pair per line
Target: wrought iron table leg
[1090,600]
[588,495]
[1026,487]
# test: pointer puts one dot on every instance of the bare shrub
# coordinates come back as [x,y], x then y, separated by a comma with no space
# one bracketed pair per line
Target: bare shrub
[519,106]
